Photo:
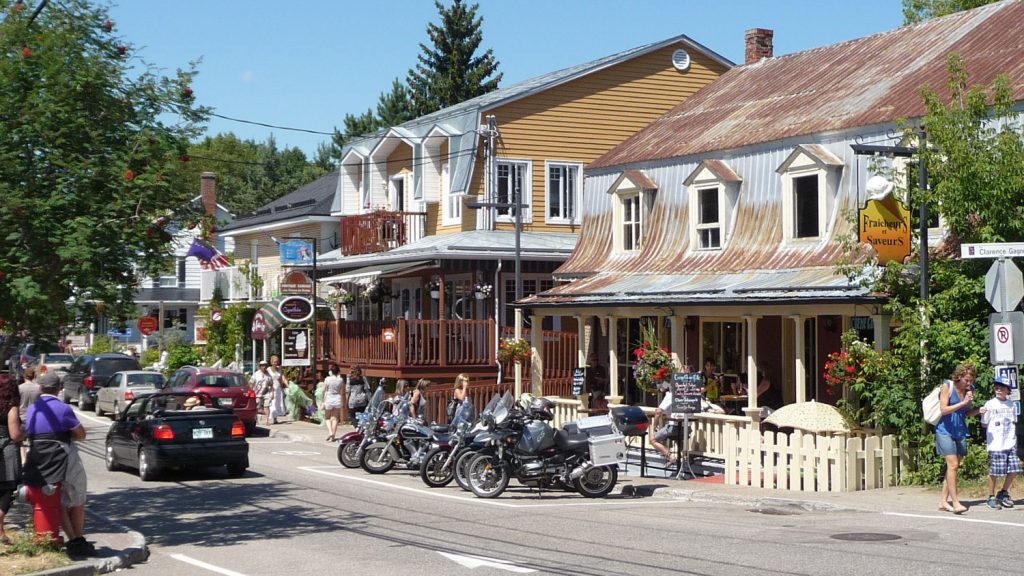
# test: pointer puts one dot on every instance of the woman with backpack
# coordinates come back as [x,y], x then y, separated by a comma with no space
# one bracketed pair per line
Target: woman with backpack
[357,392]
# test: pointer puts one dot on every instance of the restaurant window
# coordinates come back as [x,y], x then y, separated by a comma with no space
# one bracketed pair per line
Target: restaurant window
[513,176]
[724,342]
[563,185]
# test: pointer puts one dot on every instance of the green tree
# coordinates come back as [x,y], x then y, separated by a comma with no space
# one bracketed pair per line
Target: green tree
[915,11]
[89,138]
[450,71]
[395,107]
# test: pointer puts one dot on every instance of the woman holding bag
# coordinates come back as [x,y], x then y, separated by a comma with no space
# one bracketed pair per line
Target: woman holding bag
[955,399]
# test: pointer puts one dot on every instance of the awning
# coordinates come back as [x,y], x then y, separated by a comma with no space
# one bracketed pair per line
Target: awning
[365,276]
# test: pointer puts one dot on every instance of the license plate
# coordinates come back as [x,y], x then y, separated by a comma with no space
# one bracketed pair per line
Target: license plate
[202,433]
[225,402]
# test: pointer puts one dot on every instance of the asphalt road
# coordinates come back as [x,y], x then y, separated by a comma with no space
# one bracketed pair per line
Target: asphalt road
[298,512]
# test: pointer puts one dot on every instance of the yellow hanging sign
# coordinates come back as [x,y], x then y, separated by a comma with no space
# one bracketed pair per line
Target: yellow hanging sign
[885,225]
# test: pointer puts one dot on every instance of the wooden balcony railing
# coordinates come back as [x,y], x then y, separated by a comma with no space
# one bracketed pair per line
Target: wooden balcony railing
[560,359]
[380,231]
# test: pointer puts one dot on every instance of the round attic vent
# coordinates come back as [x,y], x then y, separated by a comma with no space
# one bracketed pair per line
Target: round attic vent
[681,60]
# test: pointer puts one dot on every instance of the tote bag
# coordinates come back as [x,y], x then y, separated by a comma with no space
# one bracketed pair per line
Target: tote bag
[930,406]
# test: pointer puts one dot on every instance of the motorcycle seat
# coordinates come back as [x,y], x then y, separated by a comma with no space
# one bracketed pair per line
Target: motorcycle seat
[572,442]
[438,428]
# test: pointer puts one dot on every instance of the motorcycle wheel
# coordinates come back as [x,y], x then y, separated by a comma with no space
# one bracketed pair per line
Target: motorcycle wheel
[431,472]
[597,482]
[377,458]
[348,454]
[462,460]
[488,478]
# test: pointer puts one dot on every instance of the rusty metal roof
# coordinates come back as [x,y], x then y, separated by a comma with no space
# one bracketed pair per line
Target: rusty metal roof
[871,80]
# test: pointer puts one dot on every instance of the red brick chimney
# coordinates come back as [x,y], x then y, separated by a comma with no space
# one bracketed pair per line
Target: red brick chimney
[759,44]
[208,192]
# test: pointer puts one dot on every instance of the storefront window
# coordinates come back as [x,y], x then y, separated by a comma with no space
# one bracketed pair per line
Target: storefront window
[723,342]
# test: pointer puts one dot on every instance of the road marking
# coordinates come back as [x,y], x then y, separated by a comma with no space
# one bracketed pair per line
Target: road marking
[204,565]
[327,471]
[105,421]
[956,518]
[295,453]
[478,561]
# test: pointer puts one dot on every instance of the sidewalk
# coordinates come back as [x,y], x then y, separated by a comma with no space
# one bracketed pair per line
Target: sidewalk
[904,499]
[117,547]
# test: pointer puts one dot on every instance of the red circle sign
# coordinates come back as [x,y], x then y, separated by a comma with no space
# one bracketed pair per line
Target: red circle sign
[147,325]
[1003,335]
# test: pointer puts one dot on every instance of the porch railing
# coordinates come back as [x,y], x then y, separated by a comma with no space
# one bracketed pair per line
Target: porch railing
[380,231]
[411,342]
[560,359]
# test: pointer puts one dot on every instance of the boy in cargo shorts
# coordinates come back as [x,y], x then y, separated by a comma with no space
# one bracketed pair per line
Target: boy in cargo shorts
[260,383]
[1000,420]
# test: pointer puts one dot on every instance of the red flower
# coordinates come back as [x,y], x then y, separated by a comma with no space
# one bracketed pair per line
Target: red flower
[662,374]
[851,369]
[26,52]
[122,50]
[187,93]
[129,175]
[647,344]
[183,158]
[638,352]
[108,25]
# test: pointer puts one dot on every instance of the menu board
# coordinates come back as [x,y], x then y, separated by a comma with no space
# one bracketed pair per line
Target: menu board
[577,381]
[686,394]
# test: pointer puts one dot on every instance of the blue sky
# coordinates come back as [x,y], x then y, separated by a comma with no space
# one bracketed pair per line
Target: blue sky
[306,64]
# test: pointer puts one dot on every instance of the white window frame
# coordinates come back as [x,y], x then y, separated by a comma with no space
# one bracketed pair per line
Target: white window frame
[637,227]
[451,212]
[789,205]
[525,193]
[698,226]
[393,193]
[564,196]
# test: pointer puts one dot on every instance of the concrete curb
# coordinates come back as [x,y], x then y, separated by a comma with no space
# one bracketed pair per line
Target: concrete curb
[716,497]
[136,552]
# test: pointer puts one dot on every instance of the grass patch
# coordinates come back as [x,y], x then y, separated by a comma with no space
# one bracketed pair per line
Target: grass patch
[24,556]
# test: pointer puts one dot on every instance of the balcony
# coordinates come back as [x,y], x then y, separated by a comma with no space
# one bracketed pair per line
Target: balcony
[232,283]
[380,231]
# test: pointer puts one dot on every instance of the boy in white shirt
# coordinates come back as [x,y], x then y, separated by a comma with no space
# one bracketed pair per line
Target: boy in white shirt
[999,419]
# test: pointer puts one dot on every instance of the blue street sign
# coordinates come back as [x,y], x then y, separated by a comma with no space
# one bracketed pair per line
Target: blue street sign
[296,253]
[1007,374]
[127,333]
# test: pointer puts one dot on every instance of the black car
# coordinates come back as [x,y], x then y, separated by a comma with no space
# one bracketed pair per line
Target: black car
[176,430]
[89,372]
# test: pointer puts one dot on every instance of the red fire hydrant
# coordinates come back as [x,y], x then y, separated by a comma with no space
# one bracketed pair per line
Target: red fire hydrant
[45,502]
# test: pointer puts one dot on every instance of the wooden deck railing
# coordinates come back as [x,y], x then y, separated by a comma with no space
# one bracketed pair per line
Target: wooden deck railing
[560,359]
[380,231]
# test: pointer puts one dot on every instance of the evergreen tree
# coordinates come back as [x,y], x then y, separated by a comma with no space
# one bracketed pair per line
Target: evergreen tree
[915,11]
[449,71]
[395,107]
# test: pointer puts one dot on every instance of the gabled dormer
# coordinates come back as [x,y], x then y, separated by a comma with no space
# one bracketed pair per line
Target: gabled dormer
[634,194]
[810,182]
[712,191]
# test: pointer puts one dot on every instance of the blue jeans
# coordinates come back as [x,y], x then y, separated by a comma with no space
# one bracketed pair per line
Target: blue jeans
[949,446]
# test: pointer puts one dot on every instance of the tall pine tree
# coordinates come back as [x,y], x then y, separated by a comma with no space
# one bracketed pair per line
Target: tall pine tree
[450,71]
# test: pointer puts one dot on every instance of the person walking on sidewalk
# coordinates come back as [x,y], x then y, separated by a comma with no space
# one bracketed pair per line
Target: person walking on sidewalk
[261,384]
[11,435]
[53,431]
[28,393]
[955,399]
[278,384]
[356,390]
[332,402]
[1000,422]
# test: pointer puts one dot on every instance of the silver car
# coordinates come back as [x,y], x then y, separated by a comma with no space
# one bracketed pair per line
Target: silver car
[59,362]
[123,387]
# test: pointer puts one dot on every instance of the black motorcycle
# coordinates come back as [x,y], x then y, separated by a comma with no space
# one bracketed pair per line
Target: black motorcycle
[408,443]
[438,467]
[521,444]
[371,425]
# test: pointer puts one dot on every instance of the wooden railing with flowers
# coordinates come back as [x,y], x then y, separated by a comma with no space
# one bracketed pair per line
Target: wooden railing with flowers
[401,343]
[560,359]
[380,231]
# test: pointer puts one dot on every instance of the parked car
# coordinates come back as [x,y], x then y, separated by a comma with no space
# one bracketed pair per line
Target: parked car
[28,354]
[123,387]
[176,430]
[58,362]
[230,389]
[89,372]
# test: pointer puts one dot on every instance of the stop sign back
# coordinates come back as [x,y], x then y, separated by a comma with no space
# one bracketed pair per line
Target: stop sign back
[147,325]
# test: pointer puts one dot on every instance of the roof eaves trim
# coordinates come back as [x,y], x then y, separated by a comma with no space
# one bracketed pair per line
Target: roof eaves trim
[352,152]
[719,168]
[637,178]
[819,154]
[390,136]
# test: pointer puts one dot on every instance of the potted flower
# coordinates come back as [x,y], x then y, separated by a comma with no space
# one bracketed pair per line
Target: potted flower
[482,290]
[653,363]
[434,287]
[514,350]
[378,291]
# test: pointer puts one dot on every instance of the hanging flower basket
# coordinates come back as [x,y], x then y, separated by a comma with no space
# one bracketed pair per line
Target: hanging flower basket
[482,291]
[434,287]
[653,364]
[514,350]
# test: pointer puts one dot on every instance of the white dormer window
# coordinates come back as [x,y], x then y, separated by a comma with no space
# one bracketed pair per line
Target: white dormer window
[633,195]
[514,175]
[632,222]
[810,181]
[713,192]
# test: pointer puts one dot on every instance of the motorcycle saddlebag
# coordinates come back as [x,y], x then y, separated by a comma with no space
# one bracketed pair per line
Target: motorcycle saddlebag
[630,420]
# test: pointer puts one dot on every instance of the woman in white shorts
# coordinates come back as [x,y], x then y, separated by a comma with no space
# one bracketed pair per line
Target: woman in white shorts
[332,402]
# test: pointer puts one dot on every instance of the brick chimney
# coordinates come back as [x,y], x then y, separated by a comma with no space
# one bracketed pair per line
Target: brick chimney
[759,44]
[208,192]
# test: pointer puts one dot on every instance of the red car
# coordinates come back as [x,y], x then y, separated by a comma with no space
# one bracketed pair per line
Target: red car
[228,389]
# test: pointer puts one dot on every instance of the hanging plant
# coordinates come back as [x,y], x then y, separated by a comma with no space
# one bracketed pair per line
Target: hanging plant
[653,363]
[514,350]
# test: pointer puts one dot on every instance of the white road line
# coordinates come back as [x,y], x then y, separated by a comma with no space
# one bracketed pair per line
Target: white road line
[955,518]
[204,565]
[478,561]
[474,500]
[105,421]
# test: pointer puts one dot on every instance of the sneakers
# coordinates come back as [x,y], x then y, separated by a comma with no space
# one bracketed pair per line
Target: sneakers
[992,503]
[1004,499]
[80,547]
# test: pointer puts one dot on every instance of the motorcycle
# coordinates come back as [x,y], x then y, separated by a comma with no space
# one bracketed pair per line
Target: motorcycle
[370,423]
[522,444]
[438,467]
[408,442]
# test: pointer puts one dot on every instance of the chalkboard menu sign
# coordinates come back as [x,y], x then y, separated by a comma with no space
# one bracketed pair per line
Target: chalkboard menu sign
[686,394]
[577,381]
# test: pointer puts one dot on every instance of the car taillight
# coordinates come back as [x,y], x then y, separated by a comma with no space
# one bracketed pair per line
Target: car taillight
[89,382]
[250,394]
[163,432]
[238,429]
[42,368]
[129,395]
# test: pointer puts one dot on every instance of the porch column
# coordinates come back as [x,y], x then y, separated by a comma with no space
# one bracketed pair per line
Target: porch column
[881,329]
[537,343]
[613,360]
[517,366]
[581,342]
[678,339]
[442,330]
[798,344]
[752,380]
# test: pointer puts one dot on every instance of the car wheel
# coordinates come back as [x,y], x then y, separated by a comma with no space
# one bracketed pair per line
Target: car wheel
[64,396]
[112,464]
[147,467]
[99,411]
[236,470]
[117,410]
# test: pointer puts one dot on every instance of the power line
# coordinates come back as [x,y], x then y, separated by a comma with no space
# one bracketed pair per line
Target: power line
[265,125]
[424,162]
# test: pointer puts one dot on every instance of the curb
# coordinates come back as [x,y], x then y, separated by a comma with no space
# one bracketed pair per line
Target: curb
[714,497]
[137,552]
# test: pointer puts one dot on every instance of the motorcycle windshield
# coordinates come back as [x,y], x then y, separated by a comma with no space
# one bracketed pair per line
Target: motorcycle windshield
[489,409]
[504,407]
[403,407]
[378,395]
[463,414]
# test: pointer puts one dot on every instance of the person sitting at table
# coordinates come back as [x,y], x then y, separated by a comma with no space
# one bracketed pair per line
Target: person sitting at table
[768,395]
[669,430]
[712,382]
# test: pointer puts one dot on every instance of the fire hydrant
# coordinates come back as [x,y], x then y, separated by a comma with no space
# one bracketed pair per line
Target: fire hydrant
[45,502]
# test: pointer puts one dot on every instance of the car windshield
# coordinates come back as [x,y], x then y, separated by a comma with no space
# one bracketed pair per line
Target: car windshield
[221,380]
[59,358]
[154,380]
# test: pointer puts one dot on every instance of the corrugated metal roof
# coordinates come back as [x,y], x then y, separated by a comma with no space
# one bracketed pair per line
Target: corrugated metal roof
[871,80]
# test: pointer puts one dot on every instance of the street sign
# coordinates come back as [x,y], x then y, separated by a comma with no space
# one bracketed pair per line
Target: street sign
[296,282]
[387,335]
[1004,285]
[1006,333]
[993,250]
[148,325]
[115,333]
[1007,374]
[294,346]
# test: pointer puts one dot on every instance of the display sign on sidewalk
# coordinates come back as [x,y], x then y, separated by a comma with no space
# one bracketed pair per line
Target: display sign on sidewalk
[686,394]
[577,381]
[294,346]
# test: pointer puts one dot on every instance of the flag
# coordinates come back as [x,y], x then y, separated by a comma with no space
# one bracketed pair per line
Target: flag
[208,256]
